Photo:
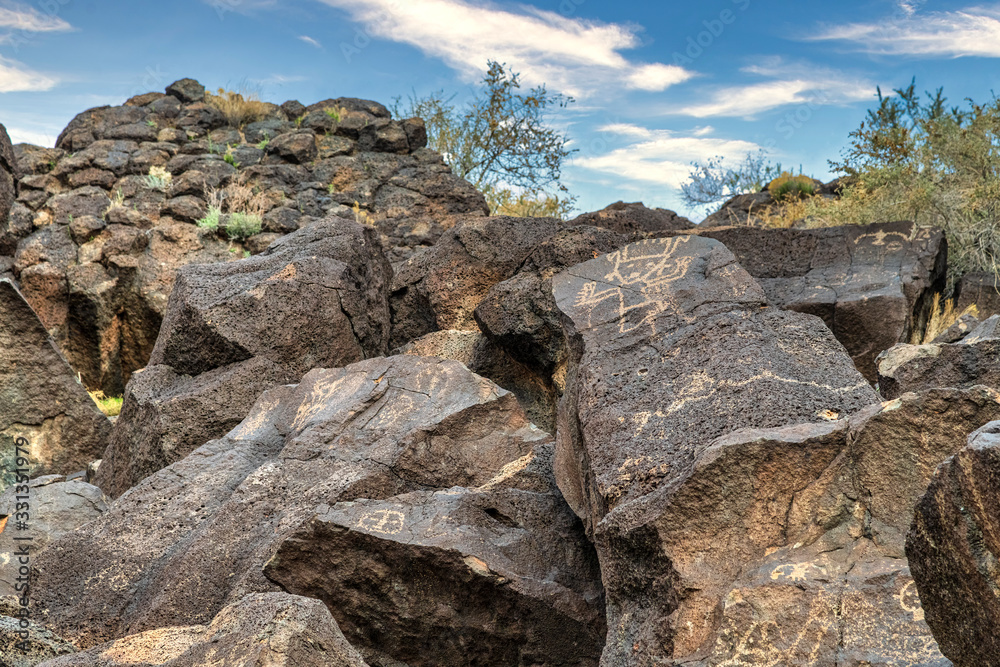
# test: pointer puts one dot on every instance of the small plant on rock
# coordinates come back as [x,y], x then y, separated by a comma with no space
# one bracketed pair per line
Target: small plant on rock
[336,113]
[111,406]
[240,107]
[361,216]
[230,158]
[159,179]
[241,226]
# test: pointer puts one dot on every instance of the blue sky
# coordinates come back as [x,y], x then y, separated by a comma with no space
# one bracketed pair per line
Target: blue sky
[657,84]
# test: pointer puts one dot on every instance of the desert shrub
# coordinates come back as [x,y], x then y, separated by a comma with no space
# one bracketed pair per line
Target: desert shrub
[159,178]
[787,187]
[240,108]
[500,141]
[240,225]
[718,181]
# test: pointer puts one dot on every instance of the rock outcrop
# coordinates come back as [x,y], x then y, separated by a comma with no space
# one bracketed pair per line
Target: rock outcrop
[96,238]
[500,574]
[953,550]
[633,219]
[316,298]
[40,398]
[440,287]
[262,630]
[194,537]
[9,175]
[970,361]
[871,284]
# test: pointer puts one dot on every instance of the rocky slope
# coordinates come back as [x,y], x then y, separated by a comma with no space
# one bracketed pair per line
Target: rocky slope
[387,429]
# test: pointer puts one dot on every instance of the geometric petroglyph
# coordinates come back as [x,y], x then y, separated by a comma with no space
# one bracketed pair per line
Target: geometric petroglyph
[636,281]
[385,522]
[910,601]
[889,241]
[796,571]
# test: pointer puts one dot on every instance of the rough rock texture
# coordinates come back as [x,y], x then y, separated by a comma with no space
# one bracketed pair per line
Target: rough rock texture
[40,399]
[520,313]
[483,357]
[969,362]
[9,174]
[41,644]
[440,287]
[959,330]
[980,290]
[56,507]
[499,575]
[317,298]
[633,218]
[261,630]
[672,336]
[96,244]
[739,211]
[193,537]
[953,549]
[785,546]
[871,284]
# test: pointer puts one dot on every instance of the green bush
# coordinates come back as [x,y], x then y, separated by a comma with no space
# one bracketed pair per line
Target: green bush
[211,219]
[788,187]
[240,226]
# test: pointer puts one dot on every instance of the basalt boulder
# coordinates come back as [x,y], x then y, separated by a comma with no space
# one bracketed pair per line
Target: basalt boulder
[633,218]
[316,298]
[194,537]
[500,574]
[440,287]
[261,630]
[972,360]
[40,398]
[871,284]
[9,175]
[953,550]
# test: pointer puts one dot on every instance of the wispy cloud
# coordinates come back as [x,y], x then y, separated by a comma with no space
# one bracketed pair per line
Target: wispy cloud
[15,16]
[572,56]
[16,77]
[974,31]
[309,40]
[661,157]
[790,84]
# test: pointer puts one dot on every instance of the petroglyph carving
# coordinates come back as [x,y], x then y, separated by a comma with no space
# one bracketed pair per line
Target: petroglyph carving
[910,602]
[796,571]
[384,522]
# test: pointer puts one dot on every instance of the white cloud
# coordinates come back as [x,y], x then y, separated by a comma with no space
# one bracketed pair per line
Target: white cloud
[309,40]
[15,77]
[792,84]
[662,157]
[22,136]
[27,19]
[974,31]
[572,56]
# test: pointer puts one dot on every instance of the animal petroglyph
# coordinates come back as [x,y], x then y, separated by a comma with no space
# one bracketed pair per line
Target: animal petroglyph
[796,571]
[636,282]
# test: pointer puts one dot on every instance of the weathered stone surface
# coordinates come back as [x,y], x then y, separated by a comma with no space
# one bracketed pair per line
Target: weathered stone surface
[959,330]
[261,630]
[973,360]
[40,646]
[672,336]
[980,290]
[40,399]
[739,211]
[953,550]
[483,357]
[501,574]
[194,536]
[520,313]
[9,175]
[440,287]
[785,546]
[871,284]
[56,507]
[316,298]
[633,218]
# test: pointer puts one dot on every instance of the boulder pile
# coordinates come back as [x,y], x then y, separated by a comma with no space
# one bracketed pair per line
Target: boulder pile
[385,429]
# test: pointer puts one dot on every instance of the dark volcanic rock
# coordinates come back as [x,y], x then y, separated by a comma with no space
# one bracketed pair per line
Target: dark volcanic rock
[501,574]
[57,507]
[871,284]
[440,287]
[671,347]
[262,630]
[9,175]
[193,537]
[37,648]
[971,361]
[980,290]
[739,211]
[40,399]
[633,218]
[953,550]
[315,298]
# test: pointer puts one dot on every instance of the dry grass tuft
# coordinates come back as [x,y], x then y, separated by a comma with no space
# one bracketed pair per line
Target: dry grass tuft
[240,107]
[942,317]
